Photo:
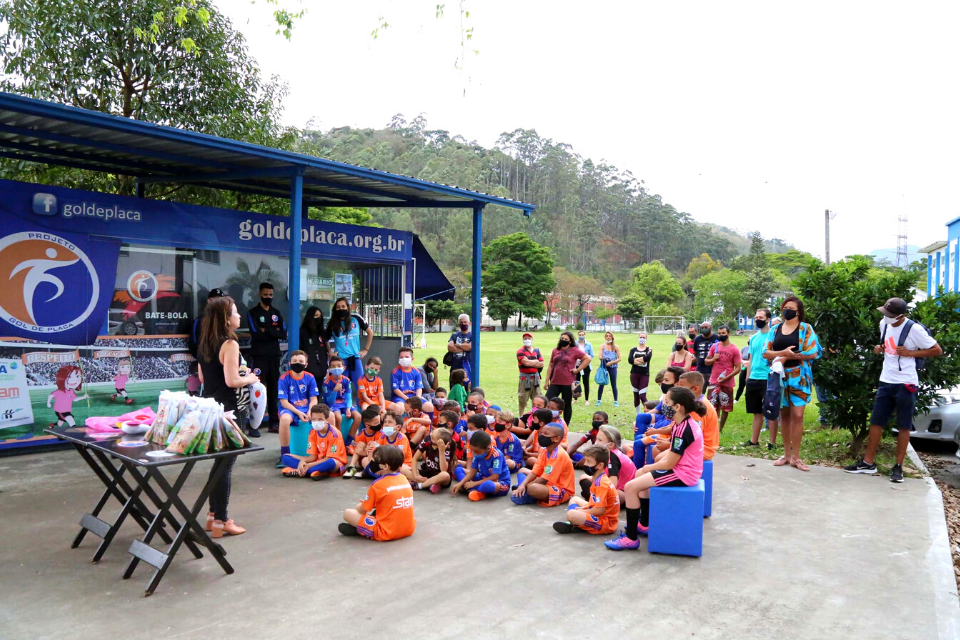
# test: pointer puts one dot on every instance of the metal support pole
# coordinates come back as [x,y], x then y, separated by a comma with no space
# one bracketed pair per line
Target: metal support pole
[141,189]
[293,286]
[476,310]
[826,235]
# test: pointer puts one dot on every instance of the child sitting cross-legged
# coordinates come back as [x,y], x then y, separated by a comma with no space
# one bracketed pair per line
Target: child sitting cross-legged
[682,465]
[365,441]
[386,513]
[326,453]
[508,443]
[475,423]
[487,474]
[434,461]
[600,512]
[620,469]
[531,448]
[416,424]
[390,434]
[551,482]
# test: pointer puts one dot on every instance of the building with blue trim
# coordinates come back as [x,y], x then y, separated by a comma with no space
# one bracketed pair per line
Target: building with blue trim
[943,262]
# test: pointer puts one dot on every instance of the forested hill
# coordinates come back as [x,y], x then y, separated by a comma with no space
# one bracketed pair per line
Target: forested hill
[599,220]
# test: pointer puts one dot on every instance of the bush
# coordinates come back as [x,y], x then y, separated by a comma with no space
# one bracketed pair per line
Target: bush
[579,326]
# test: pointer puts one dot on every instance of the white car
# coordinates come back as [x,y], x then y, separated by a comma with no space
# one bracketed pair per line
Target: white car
[941,422]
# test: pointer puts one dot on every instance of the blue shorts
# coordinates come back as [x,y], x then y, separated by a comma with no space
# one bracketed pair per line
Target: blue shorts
[892,398]
[293,416]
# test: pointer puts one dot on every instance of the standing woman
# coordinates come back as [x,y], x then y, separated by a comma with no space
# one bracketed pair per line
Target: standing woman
[428,373]
[639,360]
[584,379]
[344,331]
[563,370]
[609,359]
[313,341]
[681,356]
[794,343]
[220,363]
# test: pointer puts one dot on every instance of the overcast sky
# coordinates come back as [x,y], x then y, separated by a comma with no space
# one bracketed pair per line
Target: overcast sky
[752,115]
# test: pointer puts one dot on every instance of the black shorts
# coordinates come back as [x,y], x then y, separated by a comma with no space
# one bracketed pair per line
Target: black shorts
[754,395]
[894,397]
[63,416]
[665,478]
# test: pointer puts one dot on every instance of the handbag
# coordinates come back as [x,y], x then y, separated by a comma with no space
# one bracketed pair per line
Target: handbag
[773,396]
[448,359]
[601,376]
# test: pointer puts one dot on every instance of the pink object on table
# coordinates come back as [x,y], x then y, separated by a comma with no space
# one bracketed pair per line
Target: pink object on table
[106,424]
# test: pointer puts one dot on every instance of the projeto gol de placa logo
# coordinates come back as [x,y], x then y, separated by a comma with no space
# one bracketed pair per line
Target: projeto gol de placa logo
[142,286]
[33,266]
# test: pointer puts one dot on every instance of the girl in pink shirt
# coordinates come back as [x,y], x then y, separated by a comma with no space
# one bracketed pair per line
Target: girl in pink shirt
[69,381]
[120,380]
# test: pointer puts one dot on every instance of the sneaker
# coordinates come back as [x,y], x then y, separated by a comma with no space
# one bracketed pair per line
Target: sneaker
[642,530]
[750,443]
[416,486]
[435,488]
[350,472]
[598,403]
[289,472]
[253,433]
[317,476]
[897,474]
[476,496]
[280,464]
[351,450]
[274,428]
[622,543]
[563,527]
[862,467]
[347,529]
[616,404]
[129,400]
[769,446]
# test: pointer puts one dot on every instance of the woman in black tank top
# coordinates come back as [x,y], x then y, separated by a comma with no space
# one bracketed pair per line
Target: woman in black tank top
[220,362]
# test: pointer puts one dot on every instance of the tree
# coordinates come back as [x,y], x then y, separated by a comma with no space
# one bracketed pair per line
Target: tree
[720,295]
[701,266]
[632,306]
[440,310]
[517,278]
[791,262]
[602,313]
[580,290]
[657,283]
[841,301]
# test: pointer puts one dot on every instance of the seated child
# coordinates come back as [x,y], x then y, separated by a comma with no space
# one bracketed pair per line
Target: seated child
[483,397]
[440,397]
[556,406]
[487,474]
[366,440]
[599,512]
[475,423]
[710,422]
[296,392]
[600,418]
[337,393]
[531,448]
[508,443]
[620,469]
[438,457]
[682,466]
[550,483]
[458,387]
[525,425]
[390,434]
[370,386]
[326,453]
[475,405]
[416,425]
[389,497]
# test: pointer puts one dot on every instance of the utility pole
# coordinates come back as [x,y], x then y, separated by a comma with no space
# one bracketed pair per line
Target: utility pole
[826,234]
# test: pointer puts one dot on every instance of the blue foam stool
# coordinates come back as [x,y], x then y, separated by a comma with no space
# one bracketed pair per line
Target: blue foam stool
[299,438]
[707,478]
[676,520]
[345,425]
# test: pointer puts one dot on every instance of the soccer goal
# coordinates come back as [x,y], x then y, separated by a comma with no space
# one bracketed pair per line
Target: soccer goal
[419,326]
[663,324]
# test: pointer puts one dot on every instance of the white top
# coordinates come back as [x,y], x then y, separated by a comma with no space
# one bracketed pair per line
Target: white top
[902,369]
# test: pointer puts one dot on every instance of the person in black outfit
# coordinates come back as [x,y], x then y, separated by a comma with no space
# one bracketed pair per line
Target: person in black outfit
[313,341]
[640,357]
[701,348]
[223,377]
[193,340]
[267,329]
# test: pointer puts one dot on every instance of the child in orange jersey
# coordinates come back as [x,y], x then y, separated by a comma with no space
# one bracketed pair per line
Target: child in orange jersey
[366,440]
[416,424]
[601,513]
[389,496]
[326,453]
[370,385]
[551,481]
[391,434]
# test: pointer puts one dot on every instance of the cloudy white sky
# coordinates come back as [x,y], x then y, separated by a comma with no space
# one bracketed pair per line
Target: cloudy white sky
[753,115]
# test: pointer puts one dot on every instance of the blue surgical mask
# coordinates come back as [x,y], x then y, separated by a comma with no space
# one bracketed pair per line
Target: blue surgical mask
[337,371]
[389,431]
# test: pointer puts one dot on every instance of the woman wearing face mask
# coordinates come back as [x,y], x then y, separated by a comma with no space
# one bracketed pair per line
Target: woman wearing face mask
[314,342]
[609,359]
[428,374]
[681,356]
[584,379]
[566,363]
[794,344]
[343,331]
[639,360]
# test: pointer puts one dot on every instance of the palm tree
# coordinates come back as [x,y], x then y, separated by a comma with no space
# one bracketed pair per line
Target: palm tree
[250,281]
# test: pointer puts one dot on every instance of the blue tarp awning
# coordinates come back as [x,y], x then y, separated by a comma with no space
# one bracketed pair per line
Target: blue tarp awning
[430,284]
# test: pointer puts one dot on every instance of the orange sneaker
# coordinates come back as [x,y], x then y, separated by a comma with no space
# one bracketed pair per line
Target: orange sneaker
[476,496]
[290,472]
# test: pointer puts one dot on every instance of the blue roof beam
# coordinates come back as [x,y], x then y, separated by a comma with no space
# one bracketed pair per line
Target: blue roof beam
[226,176]
[121,167]
[358,189]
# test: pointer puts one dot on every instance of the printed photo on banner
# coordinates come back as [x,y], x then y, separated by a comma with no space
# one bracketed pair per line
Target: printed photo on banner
[15,409]
[344,285]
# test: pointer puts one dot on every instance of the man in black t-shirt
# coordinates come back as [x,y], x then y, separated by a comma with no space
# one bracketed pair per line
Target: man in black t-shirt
[267,329]
[701,348]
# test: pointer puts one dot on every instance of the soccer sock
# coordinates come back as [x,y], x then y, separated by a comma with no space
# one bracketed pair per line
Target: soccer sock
[289,461]
[585,488]
[327,466]
[633,516]
[645,511]
[123,392]
[520,478]
[577,457]
[71,421]
[284,451]
[488,486]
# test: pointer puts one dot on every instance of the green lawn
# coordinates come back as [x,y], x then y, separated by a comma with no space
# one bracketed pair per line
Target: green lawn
[498,377]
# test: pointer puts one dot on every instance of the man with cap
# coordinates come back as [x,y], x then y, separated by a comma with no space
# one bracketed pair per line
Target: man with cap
[531,363]
[903,341]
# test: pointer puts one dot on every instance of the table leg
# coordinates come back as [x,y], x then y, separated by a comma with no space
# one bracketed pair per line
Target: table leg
[144,483]
[111,490]
[138,510]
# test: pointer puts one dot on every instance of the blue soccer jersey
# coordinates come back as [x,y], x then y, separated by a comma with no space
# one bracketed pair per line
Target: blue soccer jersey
[297,390]
[511,447]
[406,381]
[487,465]
[337,399]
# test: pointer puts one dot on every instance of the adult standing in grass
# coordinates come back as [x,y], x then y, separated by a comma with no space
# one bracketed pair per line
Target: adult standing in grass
[903,342]
[566,363]
[609,360]
[701,348]
[584,379]
[639,359]
[460,345]
[530,363]
[795,345]
[758,370]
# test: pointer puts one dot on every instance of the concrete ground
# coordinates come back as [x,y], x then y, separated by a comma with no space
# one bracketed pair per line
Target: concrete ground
[786,555]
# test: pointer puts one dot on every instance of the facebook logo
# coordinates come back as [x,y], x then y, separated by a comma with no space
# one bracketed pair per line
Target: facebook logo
[45,204]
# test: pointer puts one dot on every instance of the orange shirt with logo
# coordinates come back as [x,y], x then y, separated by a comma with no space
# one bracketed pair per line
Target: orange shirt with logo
[556,469]
[392,497]
[327,446]
[399,440]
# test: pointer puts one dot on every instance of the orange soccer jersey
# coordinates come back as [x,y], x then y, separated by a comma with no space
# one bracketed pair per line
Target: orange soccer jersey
[603,494]
[399,440]
[410,427]
[392,497]
[373,388]
[556,469]
[327,446]
[367,440]
[710,425]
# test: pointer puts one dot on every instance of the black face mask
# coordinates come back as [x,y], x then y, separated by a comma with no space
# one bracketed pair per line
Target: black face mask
[500,428]
[472,407]
[597,424]
[342,313]
[536,426]
[464,326]
[723,338]
[544,440]
[692,335]
[789,314]
[297,367]
[665,387]
[563,344]
[375,427]
[266,301]
[760,324]
[679,347]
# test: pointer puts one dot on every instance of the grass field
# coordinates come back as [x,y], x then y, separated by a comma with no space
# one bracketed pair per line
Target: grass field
[498,375]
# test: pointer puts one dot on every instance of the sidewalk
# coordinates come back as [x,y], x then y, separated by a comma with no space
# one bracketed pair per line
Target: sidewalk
[786,555]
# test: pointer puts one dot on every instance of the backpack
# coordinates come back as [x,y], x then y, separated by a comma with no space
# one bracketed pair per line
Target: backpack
[448,359]
[920,363]
[772,397]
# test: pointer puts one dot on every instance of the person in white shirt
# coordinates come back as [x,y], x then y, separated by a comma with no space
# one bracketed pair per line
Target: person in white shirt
[903,341]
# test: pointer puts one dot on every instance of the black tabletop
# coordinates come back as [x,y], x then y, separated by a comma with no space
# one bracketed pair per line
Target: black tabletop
[134,448]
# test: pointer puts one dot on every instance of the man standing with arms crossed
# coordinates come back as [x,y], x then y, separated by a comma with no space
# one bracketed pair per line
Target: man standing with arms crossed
[460,345]
[530,363]
[267,329]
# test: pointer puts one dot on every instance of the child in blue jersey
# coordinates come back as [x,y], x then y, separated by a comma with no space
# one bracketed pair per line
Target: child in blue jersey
[405,380]
[653,419]
[508,443]
[338,394]
[297,392]
[487,474]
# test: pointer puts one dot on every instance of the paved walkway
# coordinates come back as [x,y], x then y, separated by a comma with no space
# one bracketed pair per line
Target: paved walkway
[786,555]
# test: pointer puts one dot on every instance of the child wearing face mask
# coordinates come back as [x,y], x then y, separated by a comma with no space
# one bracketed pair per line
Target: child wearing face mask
[531,448]
[487,473]
[435,461]
[639,359]
[338,394]
[297,392]
[508,443]
[389,497]
[370,386]
[620,469]
[524,425]
[474,405]
[366,440]
[391,434]
[458,387]
[405,380]
[551,481]
[326,453]
[476,422]
[600,418]
[416,424]
[556,406]
[654,419]
[599,511]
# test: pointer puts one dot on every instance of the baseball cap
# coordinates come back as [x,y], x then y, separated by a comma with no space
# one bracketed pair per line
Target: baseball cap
[528,335]
[893,307]
[215,293]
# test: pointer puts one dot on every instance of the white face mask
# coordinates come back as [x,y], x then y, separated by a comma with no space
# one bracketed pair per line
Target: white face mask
[406,362]
[491,419]
[319,425]
[528,343]
[890,321]
[609,340]
[641,340]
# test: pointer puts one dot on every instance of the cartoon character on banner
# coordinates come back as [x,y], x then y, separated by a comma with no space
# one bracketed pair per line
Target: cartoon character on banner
[193,380]
[69,381]
[124,369]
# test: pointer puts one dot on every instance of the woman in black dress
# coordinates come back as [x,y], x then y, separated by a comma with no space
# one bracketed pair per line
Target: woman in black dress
[220,371]
[313,340]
